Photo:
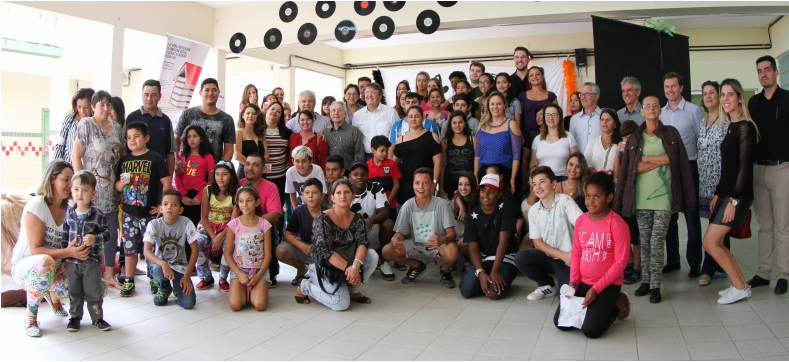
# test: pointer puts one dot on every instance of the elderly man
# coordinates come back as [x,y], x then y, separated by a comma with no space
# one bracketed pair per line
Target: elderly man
[343,139]
[585,125]
[376,119]
[631,91]
[307,103]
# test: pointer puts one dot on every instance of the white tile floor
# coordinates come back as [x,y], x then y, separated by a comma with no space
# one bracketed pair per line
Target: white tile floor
[422,321]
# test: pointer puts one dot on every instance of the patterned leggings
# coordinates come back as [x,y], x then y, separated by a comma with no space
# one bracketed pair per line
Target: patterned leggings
[36,274]
[653,226]
[203,271]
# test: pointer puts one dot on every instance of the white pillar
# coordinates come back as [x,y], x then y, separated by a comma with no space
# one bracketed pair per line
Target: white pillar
[116,68]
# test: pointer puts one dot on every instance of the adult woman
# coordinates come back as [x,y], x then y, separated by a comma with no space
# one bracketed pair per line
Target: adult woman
[499,140]
[342,138]
[351,96]
[325,103]
[307,137]
[249,96]
[534,98]
[36,262]
[97,148]
[486,83]
[250,136]
[458,152]
[504,86]
[402,87]
[575,107]
[339,258]
[554,146]
[734,193]
[711,133]
[277,136]
[528,139]
[400,107]
[421,84]
[417,148]
[577,172]
[601,150]
[654,181]
[80,109]
[118,111]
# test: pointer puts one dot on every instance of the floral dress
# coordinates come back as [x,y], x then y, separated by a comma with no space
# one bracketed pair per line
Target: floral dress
[709,161]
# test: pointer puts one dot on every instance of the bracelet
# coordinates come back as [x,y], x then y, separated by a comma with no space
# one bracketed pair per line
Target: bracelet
[360,262]
[355,268]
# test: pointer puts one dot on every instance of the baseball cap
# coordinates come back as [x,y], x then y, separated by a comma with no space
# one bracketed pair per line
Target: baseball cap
[491,180]
[359,164]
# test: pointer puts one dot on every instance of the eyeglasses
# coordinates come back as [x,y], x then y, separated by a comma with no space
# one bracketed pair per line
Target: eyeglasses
[484,82]
[371,93]
[551,115]
[650,106]
[588,94]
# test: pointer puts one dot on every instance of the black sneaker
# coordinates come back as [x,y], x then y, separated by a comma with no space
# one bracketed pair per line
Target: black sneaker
[102,325]
[446,279]
[654,296]
[161,296]
[633,277]
[758,281]
[73,325]
[127,290]
[273,283]
[414,273]
[642,290]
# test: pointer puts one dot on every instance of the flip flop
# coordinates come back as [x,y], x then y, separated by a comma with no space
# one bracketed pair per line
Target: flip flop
[363,300]
[302,300]
[297,280]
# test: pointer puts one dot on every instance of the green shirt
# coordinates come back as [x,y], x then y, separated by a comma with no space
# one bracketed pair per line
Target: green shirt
[653,188]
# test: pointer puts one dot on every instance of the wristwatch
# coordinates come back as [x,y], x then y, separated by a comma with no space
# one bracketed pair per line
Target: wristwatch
[734,202]
[478,272]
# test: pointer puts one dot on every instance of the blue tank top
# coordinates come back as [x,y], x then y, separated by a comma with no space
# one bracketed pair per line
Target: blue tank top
[495,148]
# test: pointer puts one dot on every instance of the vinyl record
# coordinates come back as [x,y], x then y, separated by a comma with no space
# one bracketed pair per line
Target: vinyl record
[307,33]
[394,5]
[237,43]
[288,11]
[447,4]
[364,7]
[272,38]
[383,27]
[325,9]
[345,31]
[427,22]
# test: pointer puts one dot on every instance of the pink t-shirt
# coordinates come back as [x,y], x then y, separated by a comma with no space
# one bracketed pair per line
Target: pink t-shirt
[195,176]
[269,196]
[249,247]
[600,251]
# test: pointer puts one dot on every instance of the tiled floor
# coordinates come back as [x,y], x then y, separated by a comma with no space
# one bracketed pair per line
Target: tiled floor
[418,322]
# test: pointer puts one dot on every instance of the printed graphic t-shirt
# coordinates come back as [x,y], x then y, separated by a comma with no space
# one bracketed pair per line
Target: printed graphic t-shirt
[145,188]
[170,241]
[436,216]
[248,249]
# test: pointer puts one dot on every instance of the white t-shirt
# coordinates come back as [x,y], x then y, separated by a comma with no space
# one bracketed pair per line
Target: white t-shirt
[554,155]
[294,183]
[170,241]
[53,233]
[599,158]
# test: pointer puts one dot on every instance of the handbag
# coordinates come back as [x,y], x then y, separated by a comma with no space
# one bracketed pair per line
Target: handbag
[745,231]
[325,270]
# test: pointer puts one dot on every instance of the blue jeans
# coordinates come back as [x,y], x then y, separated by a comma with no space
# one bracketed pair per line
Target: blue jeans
[186,301]
[469,283]
[340,300]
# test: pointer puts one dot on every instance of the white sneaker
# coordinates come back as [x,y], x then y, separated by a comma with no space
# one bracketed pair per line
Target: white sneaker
[387,272]
[542,292]
[725,291]
[735,295]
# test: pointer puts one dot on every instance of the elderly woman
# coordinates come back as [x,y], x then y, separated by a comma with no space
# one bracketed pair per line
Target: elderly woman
[80,109]
[417,148]
[342,138]
[307,137]
[654,181]
[36,262]
[351,97]
[499,141]
[339,258]
[601,150]
[97,148]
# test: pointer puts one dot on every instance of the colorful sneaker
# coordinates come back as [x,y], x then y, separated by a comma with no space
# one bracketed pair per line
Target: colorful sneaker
[161,296]
[414,273]
[205,283]
[633,277]
[127,290]
[73,325]
[31,327]
[446,279]
[224,285]
[102,325]
[154,286]
[386,272]
[542,292]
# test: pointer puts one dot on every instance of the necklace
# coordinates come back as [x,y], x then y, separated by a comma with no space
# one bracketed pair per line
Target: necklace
[498,125]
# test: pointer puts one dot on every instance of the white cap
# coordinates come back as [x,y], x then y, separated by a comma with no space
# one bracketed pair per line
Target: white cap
[491,180]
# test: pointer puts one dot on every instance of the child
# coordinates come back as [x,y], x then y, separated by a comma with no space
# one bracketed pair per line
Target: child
[491,269]
[216,211]
[171,235]
[465,199]
[85,223]
[633,268]
[248,252]
[142,177]
[385,172]
[298,234]
[458,152]
[302,170]
[198,161]
[600,246]
[335,170]
[551,223]
[436,114]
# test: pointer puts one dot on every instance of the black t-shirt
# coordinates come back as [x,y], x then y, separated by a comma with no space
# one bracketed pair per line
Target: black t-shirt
[484,228]
[476,93]
[300,223]
[518,85]
[144,190]
[160,130]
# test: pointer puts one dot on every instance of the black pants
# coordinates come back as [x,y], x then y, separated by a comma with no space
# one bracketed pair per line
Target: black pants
[536,265]
[693,221]
[600,315]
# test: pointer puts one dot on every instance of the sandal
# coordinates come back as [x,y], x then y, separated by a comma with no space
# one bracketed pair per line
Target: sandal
[297,280]
[704,280]
[301,299]
[362,299]
[623,303]
[57,307]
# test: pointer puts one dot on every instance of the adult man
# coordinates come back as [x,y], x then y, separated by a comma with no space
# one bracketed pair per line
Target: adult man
[217,124]
[631,91]
[343,139]
[586,125]
[770,111]
[372,204]
[686,118]
[269,202]
[160,129]
[307,103]
[375,119]
[363,82]
[474,71]
[519,79]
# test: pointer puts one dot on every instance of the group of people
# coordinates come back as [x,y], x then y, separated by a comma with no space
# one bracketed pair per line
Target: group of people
[493,182]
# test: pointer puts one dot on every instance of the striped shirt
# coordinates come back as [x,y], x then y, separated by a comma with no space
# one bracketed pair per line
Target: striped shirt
[66,140]
[277,153]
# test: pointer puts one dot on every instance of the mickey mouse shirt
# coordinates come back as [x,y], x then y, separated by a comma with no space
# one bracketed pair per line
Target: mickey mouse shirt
[248,247]
[170,241]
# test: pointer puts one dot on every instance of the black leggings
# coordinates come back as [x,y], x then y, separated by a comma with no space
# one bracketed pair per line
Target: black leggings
[600,315]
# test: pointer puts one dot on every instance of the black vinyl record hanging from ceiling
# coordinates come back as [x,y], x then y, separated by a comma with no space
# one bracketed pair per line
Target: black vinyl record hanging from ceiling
[272,39]
[325,9]
[345,31]
[307,33]
[364,8]
[394,5]
[447,4]
[237,43]
[383,27]
[288,11]
[428,22]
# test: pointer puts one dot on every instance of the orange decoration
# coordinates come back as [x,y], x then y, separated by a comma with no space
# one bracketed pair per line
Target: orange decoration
[570,84]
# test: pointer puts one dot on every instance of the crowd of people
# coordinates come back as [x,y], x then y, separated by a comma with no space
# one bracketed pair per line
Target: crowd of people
[496,181]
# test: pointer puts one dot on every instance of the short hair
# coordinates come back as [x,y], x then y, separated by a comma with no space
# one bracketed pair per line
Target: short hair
[522,48]
[175,193]
[99,96]
[152,83]
[628,127]
[379,141]
[602,180]
[713,84]
[767,58]
[366,79]
[336,159]
[307,93]
[312,181]
[477,64]
[209,81]
[412,95]
[377,87]
[140,126]
[301,152]
[631,80]
[85,178]
[543,170]
[82,93]
[457,74]
[680,79]
[595,87]
[424,171]
[340,103]
[257,155]
[462,96]
[464,82]
[307,113]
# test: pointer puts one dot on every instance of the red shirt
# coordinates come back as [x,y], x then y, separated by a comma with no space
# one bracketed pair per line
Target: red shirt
[269,196]
[195,176]
[385,174]
[319,148]
[600,251]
